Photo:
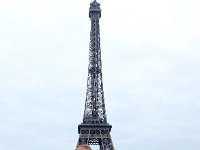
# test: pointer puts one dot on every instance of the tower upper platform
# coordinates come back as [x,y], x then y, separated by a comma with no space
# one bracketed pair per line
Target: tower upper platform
[95,10]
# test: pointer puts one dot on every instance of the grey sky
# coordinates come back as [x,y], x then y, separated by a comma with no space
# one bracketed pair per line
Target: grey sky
[151,73]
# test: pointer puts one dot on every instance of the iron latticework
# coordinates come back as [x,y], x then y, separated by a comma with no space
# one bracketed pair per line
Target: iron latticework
[94,130]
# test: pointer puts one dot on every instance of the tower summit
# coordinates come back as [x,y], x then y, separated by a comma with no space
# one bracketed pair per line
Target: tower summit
[94,130]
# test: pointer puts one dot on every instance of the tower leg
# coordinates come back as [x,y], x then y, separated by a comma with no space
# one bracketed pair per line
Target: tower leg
[106,144]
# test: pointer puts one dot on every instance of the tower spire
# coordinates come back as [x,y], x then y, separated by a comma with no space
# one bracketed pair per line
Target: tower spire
[94,129]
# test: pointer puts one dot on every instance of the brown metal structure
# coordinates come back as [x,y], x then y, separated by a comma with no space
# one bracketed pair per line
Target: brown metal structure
[94,130]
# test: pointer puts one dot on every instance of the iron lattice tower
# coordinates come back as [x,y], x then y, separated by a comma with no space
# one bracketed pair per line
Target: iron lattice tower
[94,130]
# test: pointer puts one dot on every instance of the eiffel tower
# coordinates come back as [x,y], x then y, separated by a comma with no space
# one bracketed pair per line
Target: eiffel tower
[94,130]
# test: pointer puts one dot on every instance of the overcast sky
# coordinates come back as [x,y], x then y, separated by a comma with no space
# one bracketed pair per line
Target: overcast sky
[151,73]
